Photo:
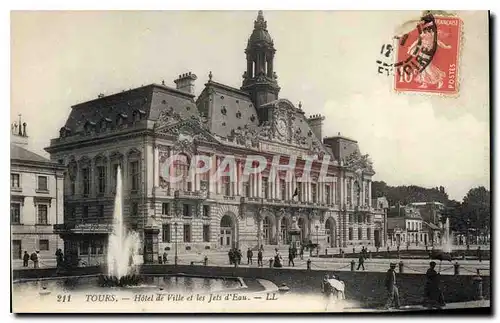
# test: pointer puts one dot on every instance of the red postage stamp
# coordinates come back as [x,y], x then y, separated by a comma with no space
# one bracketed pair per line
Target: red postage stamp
[427,57]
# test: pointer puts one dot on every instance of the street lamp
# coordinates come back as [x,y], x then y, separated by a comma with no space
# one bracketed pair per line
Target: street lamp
[175,258]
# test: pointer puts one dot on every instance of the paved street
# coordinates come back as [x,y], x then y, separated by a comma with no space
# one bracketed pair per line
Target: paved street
[467,267]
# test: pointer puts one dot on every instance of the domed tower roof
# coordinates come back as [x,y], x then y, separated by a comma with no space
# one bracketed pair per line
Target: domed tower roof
[260,33]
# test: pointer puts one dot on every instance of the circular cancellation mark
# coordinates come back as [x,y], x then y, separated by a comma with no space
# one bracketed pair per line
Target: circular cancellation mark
[422,52]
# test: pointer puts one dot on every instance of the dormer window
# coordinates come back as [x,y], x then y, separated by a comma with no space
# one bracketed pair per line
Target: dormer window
[119,119]
[238,115]
[223,110]
[252,118]
[64,132]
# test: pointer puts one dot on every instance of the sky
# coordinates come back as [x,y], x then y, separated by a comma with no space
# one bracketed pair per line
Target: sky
[325,59]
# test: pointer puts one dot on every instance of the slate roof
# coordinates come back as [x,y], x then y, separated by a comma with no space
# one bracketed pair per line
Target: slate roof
[232,109]
[20,154]
[147,101]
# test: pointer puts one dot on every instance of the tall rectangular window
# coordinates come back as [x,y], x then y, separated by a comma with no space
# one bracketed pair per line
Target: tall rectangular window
[42,183]
[206,233]
[42,214]
[351,233]
[15,213]
[165,232]
[265,187]
[187,233]
[283,189]
[313,193]
[328,194]
[299,191]
[134,174]
[85,212]
[360,234]
[101,179]
[165,209]
[86,181]
[368,233]
[206,211]
[246,189]
[15,180]
[43,245]
[186,210]
[226,185]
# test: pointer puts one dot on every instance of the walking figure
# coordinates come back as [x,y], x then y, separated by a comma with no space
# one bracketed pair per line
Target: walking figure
[259,258]
[277,259]
[249,256]
[26,258]
[290,257]
[392,289]
[433,294]
[361,263]
[34,258]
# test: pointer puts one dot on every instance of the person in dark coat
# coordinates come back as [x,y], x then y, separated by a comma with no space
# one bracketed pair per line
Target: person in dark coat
[165,257]
[479,256]
[34,258]
[259,258]
[302,253]
[239,255]
[230,254]
[361,262]
[277,260]
[392,289]
[433,295]
[26,259]
[249,256]
[290,257]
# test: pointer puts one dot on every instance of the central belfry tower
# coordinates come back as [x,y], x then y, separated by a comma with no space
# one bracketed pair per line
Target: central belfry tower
[260,80]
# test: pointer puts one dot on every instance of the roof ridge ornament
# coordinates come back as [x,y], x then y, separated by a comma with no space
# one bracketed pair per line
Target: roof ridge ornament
[260,23]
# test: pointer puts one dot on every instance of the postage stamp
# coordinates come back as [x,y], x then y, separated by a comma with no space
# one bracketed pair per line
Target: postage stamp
[427,57]
[217,194]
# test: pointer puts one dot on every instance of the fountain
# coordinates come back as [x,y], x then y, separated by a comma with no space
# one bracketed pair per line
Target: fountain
[446,243]
[123,245]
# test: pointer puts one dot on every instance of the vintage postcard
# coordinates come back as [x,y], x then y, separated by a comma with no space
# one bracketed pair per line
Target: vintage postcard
[250,162]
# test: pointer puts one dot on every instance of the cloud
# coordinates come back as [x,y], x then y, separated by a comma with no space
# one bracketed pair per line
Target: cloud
[408,143]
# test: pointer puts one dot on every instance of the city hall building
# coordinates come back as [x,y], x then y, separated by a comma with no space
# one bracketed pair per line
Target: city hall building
[138,130]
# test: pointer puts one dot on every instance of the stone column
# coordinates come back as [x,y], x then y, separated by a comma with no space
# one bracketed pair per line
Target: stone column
[370,193]
[156,165]
[259,185]
[234,185]
[216,178]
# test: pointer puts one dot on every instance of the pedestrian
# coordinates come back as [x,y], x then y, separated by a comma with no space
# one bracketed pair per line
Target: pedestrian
[433,294]
[59,257]
[259,258]
[479,256]
[37,259]
[239,255]
[290,257]
[230,254]
[361,261]
[392,289]
[277,259]
[165,257]
[26,258]
[302,253]
[249,256]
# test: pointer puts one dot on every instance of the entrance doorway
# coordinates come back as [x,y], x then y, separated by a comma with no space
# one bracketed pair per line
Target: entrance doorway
[330,232]
[376,235]
[226,231]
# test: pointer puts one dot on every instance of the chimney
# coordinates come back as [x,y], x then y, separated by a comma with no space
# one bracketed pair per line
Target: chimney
[316,123]
[185,82]
[18,133]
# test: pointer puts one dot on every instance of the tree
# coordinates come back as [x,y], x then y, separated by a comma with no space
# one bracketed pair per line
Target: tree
[476,210]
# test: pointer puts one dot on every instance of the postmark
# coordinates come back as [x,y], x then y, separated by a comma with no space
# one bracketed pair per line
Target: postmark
[427,57]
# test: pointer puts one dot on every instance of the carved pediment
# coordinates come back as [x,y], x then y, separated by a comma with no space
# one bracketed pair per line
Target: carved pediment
[246,136]
[359,164]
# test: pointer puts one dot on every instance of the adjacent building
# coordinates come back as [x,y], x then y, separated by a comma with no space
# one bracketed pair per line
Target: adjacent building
[37,200]
[138,130]
[405,227]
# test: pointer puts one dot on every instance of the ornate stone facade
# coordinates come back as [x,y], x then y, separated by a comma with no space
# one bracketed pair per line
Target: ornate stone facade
[197,213]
